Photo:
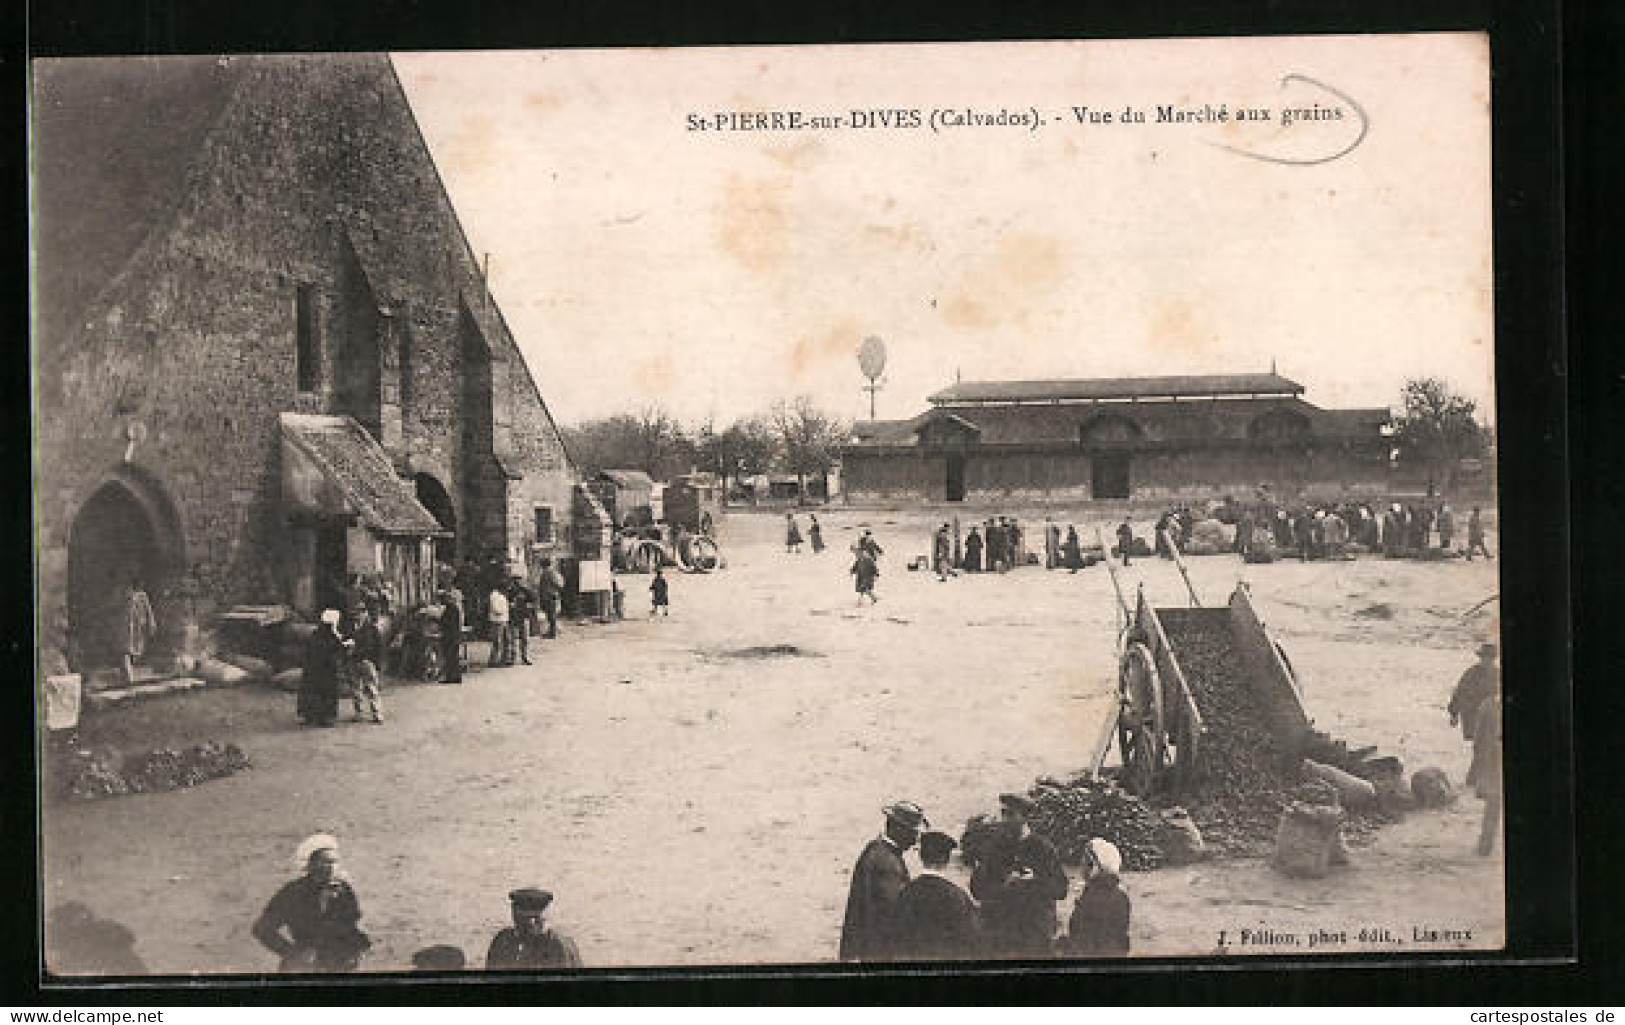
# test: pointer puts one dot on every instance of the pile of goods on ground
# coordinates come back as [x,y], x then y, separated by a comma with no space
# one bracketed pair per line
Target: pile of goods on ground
[90,775]
[1070,815]
[1207,537]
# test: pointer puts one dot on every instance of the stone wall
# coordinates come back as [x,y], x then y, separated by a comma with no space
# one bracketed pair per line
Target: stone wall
[313,175]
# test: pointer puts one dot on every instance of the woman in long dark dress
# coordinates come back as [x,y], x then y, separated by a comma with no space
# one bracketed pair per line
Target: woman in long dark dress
[973,552]
[816,534]
[1071,554]
[319,685]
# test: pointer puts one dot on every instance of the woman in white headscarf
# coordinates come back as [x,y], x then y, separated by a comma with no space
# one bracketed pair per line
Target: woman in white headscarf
[319,684]
[1099,925]
[311,922]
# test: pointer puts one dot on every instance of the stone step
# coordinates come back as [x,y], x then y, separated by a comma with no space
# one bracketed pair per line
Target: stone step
[141,691]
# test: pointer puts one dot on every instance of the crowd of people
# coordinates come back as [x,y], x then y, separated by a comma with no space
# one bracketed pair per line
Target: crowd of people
[1010,909]
[349,654]
[1340,529]
[312,924]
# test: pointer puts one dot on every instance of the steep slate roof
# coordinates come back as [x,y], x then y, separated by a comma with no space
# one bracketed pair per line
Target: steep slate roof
[1187,421]
[352,460]
[113,141]
[1116,388]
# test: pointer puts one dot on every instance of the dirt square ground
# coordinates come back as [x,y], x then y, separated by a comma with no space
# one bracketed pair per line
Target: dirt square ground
[696,788]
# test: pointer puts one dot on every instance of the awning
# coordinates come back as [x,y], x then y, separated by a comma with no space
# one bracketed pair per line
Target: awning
[331,466]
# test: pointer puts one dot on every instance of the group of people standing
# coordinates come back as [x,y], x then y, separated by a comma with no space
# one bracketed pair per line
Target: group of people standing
[1009,910]
[312,924]
[1326,530]
[348,654]
[792,534]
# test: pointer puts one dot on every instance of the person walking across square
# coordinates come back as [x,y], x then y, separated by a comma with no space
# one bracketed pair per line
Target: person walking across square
[660,595]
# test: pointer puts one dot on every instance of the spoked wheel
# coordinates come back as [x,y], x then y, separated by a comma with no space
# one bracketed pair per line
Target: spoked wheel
[1142,730]
[646,556]
[703,555]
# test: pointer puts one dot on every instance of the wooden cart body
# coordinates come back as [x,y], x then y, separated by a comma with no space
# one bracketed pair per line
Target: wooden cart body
[1160,725]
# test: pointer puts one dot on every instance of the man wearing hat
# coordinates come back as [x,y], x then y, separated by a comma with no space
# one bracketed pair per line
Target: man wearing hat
[1480,681]
[529,944]
[877,879]
[936,920]
[1018,882]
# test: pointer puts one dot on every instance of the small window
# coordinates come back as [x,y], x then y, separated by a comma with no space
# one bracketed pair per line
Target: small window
[544,524]
[307,354]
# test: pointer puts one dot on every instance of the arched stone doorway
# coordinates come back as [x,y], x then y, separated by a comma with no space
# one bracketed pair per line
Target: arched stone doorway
[432,494]
[126,531]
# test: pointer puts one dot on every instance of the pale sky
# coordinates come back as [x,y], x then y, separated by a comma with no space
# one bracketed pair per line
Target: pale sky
[713,272]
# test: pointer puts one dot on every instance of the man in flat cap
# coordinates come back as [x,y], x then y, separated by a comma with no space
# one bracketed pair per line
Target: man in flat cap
[529,944]
[877,879]
[935,919]
[1018,882]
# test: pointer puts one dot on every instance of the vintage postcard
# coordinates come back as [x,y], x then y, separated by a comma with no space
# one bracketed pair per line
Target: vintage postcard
[546,511]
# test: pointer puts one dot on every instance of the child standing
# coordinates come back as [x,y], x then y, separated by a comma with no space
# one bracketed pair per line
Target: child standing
[657,588]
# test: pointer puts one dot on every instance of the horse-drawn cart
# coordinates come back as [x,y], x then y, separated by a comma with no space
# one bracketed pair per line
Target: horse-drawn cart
[1185,672]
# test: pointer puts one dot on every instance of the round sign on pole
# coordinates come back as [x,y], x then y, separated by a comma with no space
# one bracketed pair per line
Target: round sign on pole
[872,357]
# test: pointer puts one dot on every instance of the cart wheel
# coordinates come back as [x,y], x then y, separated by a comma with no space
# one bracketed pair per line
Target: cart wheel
[431,664]
[1141,725]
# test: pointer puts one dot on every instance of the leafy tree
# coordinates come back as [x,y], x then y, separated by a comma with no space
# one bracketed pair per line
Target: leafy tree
[746,447]
[1437,429]
[809,439]
[648,440]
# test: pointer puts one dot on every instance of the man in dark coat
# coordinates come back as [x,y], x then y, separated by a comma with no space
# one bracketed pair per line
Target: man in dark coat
[935,920]
[1475,535]
[1482,680]
[1125,540]
[528,944]
[451,639]
[319,684]
[1018,882]
[877,880]
[1484,774]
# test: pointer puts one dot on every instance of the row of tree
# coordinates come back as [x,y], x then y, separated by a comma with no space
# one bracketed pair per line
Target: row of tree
[793,437]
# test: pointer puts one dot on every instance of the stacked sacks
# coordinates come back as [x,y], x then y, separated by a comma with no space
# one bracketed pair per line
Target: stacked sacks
[1431,788]
[1208,537]
[1308,841]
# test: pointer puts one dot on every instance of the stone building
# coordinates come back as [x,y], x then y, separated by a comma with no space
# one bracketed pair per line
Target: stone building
[265,356]
[1150,438]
